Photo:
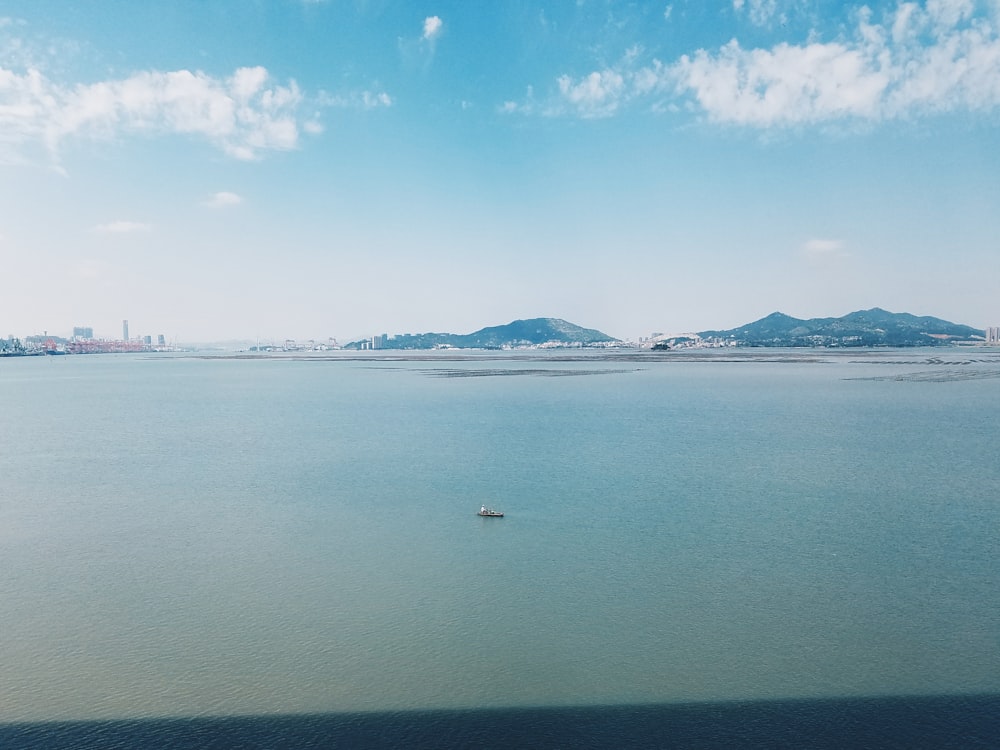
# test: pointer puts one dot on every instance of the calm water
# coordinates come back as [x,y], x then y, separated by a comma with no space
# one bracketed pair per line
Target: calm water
[216,537]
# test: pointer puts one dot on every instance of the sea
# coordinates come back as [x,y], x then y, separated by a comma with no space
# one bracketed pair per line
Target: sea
[706,548]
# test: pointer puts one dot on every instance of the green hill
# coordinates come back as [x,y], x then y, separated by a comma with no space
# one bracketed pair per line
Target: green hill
[517,334]
[875,327]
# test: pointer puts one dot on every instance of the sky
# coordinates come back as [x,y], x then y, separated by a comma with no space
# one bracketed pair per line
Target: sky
[273,169]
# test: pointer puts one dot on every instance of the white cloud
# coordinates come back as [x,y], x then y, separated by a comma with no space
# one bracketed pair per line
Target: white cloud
[602,93]
[596,95]
[122,227]
[244,114]
[222,199]
[432,27]
[946,13]
[371,100]
[418,52]
[824,253]
[819,247]
[785,85]
[940,57]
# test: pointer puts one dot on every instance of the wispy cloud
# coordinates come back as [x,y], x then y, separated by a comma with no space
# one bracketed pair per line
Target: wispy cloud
[244,115]
[760,12]
[943,56]
[525,107]
[373,99]
[223,199]
[122,227]
[356,100]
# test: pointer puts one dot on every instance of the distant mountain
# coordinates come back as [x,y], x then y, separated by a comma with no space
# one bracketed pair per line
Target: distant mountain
[517,334]
[875,327]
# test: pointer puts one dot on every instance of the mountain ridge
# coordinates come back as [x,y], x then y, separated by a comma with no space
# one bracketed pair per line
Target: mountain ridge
[872,327]
[530,332]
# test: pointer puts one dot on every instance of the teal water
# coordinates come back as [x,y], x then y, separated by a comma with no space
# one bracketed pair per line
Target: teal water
[199,537]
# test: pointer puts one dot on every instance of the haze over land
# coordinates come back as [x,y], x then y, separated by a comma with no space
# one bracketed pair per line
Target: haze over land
[309,169]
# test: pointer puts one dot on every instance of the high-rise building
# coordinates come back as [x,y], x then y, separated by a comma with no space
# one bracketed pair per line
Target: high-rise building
[83,332]
[124,330]
[161,340]
[993,335]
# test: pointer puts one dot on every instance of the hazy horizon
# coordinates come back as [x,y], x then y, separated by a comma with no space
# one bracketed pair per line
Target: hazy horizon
[310,169]
[236,339]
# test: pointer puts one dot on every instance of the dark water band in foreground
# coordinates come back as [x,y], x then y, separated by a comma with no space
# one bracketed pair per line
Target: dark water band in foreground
[891,722]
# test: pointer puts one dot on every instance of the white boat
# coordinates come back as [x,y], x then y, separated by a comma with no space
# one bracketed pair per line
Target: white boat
[490,513]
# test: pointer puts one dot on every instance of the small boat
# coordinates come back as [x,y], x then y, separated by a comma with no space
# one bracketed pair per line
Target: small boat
[490,513]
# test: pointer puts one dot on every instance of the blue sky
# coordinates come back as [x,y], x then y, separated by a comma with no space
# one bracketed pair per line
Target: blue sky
[307,168]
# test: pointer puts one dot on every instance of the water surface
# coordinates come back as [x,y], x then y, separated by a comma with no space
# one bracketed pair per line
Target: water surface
[216,537]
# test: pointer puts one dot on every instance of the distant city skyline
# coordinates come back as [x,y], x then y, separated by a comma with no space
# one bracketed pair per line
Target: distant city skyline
[310,169]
